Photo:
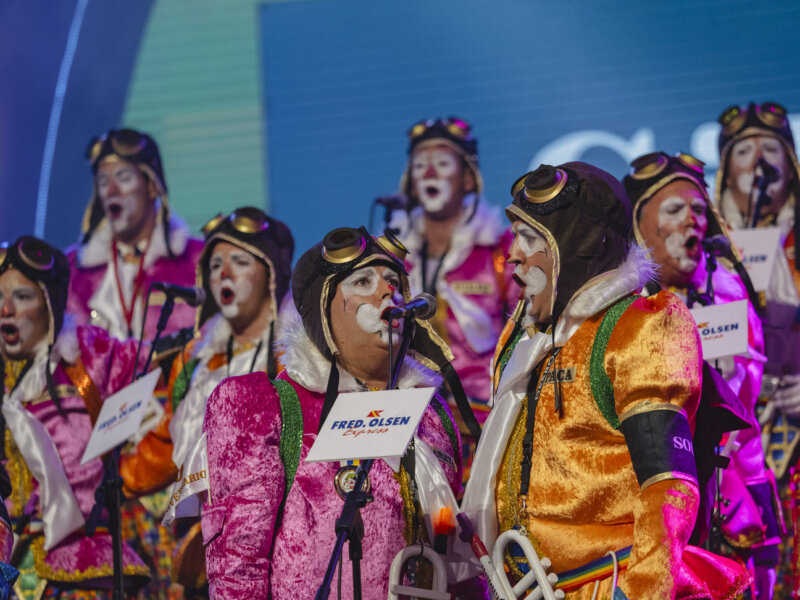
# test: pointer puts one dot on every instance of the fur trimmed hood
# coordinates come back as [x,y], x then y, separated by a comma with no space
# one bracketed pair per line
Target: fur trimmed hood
[97,251]
[306,365]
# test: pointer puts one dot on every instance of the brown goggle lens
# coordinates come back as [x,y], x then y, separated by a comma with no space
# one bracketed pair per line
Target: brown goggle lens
[343,245]
[649,165]
[772,115]
[36,255]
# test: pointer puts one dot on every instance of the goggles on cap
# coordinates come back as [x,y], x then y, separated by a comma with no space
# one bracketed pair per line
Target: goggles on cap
[347,244]
[541,185]
[771,114]
[244,220]
[125,143]
[458,128]
[652,164]
[34,254]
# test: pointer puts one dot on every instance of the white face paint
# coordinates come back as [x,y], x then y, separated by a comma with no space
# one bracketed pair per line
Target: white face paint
[433,172]
[23,315]
[123,192]
[528,272]
[231,277]
[530,240]
[683,243]
[361,285]
[534,280]
[744,156]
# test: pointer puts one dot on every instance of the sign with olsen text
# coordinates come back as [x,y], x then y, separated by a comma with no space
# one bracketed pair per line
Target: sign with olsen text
[120,416]
[365,425]
[758,248]
[722,329]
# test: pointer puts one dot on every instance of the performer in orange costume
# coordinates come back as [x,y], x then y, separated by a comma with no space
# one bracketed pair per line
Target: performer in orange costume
[587,451]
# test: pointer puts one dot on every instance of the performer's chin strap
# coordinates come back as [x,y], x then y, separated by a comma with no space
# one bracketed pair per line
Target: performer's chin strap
[330,393]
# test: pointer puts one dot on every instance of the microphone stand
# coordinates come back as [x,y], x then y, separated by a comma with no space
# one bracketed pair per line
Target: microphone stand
[762,199]
[711,266]
[108,494]
[349,525]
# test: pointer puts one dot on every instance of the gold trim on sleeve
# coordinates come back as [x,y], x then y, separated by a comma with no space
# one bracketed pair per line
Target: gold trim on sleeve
[666,476]
[649,406]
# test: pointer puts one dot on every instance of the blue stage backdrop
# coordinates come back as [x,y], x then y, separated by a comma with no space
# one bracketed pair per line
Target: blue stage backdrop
[601,81]
[343,80]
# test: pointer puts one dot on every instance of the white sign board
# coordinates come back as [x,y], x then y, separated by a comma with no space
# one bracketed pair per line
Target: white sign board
[722,329]
[365,425]
[120,416]
[758,248]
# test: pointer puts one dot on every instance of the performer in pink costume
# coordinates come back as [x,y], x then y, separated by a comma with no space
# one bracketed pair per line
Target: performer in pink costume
[245,270]
[673,215]
[56,378]
[129,240]
[457,249]
[263,543]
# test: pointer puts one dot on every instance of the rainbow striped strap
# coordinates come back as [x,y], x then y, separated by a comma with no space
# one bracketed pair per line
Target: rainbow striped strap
[592,571]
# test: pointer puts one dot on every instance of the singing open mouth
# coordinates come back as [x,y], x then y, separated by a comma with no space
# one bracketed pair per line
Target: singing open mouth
[114,210]
[432,191]
[692,244]
[10,334]
[227,295]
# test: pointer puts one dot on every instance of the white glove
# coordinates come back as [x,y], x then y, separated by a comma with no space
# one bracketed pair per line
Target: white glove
[787,396]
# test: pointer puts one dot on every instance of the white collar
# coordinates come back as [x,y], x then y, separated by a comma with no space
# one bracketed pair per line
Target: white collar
[98,250]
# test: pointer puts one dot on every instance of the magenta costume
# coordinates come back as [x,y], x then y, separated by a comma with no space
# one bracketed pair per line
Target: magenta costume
[93,295]
[248,554]
[57,492]
[474,285]
[743,524]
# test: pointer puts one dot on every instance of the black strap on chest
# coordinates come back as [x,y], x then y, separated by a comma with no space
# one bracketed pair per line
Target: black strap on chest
[534,390]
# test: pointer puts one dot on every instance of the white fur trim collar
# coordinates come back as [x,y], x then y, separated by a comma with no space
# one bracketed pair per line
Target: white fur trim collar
[481,225]
[215,340]
[306,365]
[97,251]
[733,217]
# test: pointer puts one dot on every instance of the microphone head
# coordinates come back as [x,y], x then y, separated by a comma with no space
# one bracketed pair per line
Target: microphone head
[393,202]
[199,297]
[770,172]
[717,244]
[430,306]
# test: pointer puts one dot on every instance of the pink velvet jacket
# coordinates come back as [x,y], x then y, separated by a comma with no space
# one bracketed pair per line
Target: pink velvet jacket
[247,557]
[90,262]
[475,284]
[108,363]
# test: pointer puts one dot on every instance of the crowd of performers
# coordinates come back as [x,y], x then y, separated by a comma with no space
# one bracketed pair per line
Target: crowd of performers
[575,418]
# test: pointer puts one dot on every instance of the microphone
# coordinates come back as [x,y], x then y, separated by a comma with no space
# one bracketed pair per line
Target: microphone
[770,172]
[421,307]
[717,245]
[393,202]
[193,296]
